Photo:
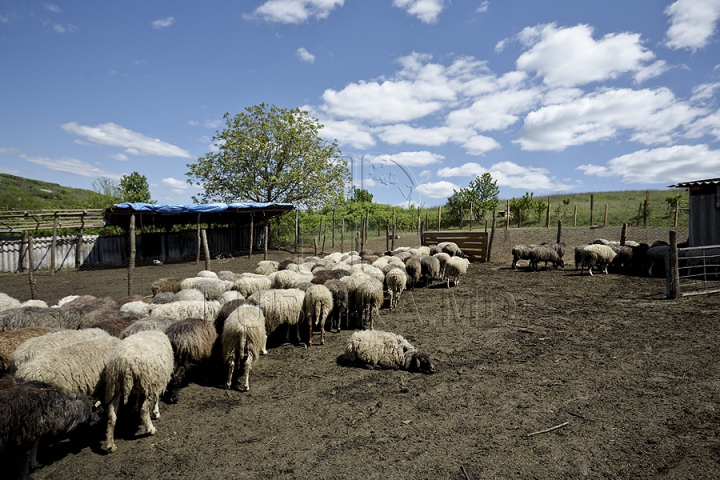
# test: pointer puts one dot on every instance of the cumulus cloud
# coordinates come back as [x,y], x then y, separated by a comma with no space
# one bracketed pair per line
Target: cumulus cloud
[304,55]
[120,156]
[692,23]
[163,23]
[427,11]
[134,143]
[484,7]
[407,159]
[175,183]
[567,57]
[649,115]
[71,165]
[293,11]
[440,189]
[509,174]
[679,163]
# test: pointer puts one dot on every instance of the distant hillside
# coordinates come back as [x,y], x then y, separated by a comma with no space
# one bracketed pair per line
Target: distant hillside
[27,194]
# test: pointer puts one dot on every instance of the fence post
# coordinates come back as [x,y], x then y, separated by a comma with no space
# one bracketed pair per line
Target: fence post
[461,217]
[492,236]
[332,235]
[592,206]
[471,216]
[265,243]
[672,275]
[315,246]
[320,229]
[392,239]
[206,248]
[367,225]
[362,235]
[547,215]
[252,234]
[623,234]
[199,241]
[637,220]
[418,220]
[31,270]
[575,217]
[78,248]
[677,211]
[357,242]
[131,262]
[606,215]
[507,214]
[54,244]
[559,233]
[23,251]
[297,229]
[342,236]
[645,209]
[439,208]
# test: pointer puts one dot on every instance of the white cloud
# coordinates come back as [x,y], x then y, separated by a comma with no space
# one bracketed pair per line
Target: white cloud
[480,144]
[174,183]
[407,159]
[653,70]
[679,163]
[709,125]
[71,165]
[692,23]
[704,91]
[163,23]
[304,55]
[484,7]
[134,143]
[52,7]
[425,175]
[567,57]
[9,151]
[651,116]
[427,11]
[436,189]
[120,156]
[59,28]
[500,46]
[293,11]
[346,132]
[509,174]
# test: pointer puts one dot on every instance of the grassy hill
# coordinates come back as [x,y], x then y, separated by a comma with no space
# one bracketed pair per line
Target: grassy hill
[26,194]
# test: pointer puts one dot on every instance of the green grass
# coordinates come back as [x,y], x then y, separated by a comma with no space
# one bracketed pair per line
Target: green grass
[18,193]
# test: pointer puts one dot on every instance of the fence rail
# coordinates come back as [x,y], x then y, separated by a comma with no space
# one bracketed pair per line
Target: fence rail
[699,270]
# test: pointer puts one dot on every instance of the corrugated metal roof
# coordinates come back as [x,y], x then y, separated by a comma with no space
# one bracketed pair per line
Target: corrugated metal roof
[709,181]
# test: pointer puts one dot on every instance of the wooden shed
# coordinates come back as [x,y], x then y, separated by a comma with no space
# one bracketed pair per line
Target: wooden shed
[704,211]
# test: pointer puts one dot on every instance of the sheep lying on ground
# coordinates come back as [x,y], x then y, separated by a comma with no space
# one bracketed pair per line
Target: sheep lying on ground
[455,267]
[11,340]
[375,348]
[141,363]
[596,255]
[544,253]
[31,410]
[51,341]
[318,304]
[75,367]
[280,307]
[396,281]
[243,337]
[192,340]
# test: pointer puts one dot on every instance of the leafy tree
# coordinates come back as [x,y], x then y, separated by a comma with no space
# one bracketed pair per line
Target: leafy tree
[135,188]
[520,207]
[362,195]
[540,207]
[271,154]
[482,193]
[671,201]
[106,192]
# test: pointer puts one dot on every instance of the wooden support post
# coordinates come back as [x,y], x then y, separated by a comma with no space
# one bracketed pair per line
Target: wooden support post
[393,216]
[79,244]
[206,248]
[322,250]
[394,234]
[575,217]
[357,241]
[315,246]
[419,222]
[605,220]
[507,214]
[427,224]
[471,216]
[439,218]
[297,229]
[547,215]
[252,235]
[199,241]
[362,235]
[342,235]
[131,261]
[486,225]
[559,232]
[367,225]
[672,271]
[637,220]
[31,270]
[492,237]
[461,217]
[23,251]
[677,212]
[320,229]
[387,235]
[592,208]
[332,234]
[265,243]
[645,207]
[422,230]
[277,241]
[53,245]
[623,234]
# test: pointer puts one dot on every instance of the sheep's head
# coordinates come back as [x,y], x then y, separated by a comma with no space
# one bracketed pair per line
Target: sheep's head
[561,263]
[420,362]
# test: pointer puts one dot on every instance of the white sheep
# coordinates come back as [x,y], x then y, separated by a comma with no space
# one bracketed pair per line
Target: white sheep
[206,274]
[7,302]
[375,348]
[454,268]
[249,283]
[368,301]
[11,340]
[51,341]
[183,309]
[442,258]
[318,304]
[74,367]
[396,280]
[280,307]
[266,267]
[141,363]
[190,295]
[148,323]
[597,255]
[212,288]
[139,308]
[230,296]
[243,337]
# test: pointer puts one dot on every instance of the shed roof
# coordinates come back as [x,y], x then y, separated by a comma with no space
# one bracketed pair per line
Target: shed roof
[168,214]
[694,183]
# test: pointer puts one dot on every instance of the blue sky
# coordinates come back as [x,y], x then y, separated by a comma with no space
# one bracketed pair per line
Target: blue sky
[422,95]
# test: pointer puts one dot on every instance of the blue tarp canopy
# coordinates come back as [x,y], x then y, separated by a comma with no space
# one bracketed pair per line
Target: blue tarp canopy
[168,214]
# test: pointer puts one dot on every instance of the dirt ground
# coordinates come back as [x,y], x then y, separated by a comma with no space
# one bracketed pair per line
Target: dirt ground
[629,381]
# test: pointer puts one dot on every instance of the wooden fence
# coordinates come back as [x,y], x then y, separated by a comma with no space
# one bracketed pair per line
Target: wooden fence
[473,244]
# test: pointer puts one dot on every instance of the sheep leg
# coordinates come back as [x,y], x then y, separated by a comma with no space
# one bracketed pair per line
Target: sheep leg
[156,408]
[310,333]
[147,427]
[112,419]
[248,366]
[33,455]
[322,327]
[264,345]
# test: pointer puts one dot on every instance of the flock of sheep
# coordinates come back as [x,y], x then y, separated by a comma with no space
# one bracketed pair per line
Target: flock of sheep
[632,257]
[69,365]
